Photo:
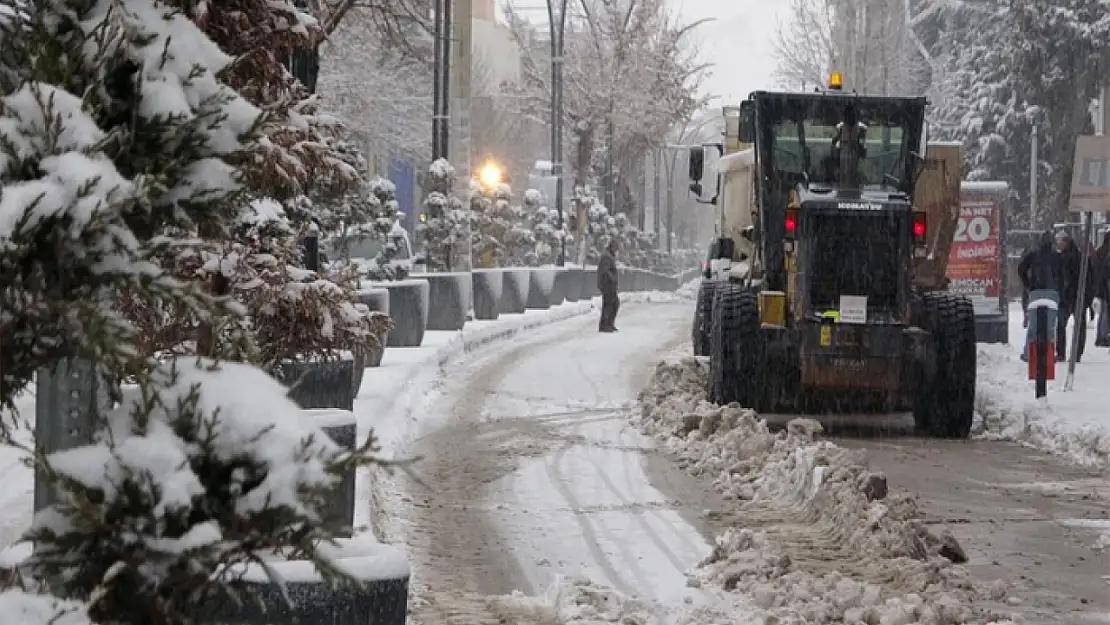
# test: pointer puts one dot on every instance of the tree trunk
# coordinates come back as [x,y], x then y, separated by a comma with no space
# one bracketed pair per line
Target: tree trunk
[583,157]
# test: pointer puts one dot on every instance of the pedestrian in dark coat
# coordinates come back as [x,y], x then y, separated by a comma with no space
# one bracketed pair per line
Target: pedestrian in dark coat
[1102,291]
[1042,269]
[607,284]
[1070,305]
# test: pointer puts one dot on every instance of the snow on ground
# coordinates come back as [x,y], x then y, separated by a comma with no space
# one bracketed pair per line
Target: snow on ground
[17,495]
[815,538]
[579,601]
[536,483]
[1072,423]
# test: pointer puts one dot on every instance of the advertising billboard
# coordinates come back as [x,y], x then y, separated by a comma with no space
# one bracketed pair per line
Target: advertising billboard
[975,258]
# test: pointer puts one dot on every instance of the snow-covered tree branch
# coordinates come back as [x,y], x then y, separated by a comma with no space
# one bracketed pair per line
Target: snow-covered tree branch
[128,152]
[629,61]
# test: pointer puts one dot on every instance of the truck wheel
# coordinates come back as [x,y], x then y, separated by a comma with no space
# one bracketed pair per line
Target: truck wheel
[703,317]
[946,407]
[736,349]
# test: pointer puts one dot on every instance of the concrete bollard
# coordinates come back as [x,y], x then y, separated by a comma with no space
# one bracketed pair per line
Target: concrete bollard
[341,427]
[320,384]
[379,597]
[1040,340]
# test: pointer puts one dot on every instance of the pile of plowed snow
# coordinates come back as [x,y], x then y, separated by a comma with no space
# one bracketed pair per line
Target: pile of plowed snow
[816,537]
[572,601]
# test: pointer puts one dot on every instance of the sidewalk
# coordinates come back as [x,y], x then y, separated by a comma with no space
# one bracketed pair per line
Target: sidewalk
[1073,423]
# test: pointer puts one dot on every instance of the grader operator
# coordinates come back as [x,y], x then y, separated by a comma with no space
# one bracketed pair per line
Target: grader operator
[817,309]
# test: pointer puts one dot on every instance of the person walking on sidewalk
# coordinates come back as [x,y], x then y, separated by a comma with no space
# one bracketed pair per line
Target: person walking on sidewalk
[1102,291]
[607,284]
[1070,306]
[1042,276]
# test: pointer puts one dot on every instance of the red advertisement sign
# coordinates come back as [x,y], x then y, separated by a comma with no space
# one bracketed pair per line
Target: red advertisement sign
[975,259]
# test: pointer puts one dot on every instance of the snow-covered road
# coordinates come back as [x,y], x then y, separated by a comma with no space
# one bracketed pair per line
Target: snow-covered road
[532,471]
[537,473]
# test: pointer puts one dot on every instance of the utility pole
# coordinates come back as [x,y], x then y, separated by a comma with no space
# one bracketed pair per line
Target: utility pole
[437,82]
[557,29]
[445,88]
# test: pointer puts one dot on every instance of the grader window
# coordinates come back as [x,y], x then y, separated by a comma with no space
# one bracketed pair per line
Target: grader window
[822,142]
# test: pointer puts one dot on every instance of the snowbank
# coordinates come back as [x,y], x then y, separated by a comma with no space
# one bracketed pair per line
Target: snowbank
[815,536]
[686,292]
[1074,424]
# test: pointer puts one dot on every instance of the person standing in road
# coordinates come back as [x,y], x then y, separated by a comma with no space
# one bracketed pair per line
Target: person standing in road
[607,284]
[1042,275]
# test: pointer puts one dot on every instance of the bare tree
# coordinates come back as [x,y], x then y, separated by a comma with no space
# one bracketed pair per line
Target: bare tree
[804,47]
[501,124]
[382,95]
[628,61]
[874,47]
[868,41]
[402,26]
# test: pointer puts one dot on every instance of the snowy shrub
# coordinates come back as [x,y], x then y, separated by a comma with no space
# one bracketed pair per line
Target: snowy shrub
[445,228]
[491,223]
[104,193]
[302,150]
[385,214]
[549,236]
[295,313]
[341,205]
[520,241]
[182,485]
[600,227]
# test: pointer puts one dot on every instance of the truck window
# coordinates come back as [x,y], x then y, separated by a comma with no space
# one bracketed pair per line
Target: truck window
[808,138]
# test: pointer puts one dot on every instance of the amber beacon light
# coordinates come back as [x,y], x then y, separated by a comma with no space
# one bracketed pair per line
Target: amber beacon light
[836,81]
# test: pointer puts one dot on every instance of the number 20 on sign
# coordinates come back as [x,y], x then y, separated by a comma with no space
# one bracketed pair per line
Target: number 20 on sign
[975,229]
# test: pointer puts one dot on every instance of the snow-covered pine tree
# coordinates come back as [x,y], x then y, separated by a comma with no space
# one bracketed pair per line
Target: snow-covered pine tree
[296,315]
[548,234]
[601,227]
[1006,68]
[301,149]
[487,229]
[444,230]
[118,144]
[385,213]
[520,241]
[303,161]
[341,202]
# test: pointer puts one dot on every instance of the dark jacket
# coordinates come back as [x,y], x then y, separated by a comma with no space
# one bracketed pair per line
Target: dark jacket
[1073,258]
[1042,268]
[1102,269]
[607,274]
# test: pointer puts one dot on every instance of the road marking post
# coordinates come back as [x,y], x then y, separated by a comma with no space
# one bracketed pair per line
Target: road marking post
[1040,349]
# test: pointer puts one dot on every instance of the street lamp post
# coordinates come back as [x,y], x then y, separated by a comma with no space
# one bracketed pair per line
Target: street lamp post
[557,28]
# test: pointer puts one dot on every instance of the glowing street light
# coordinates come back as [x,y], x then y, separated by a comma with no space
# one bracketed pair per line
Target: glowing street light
[490,176]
